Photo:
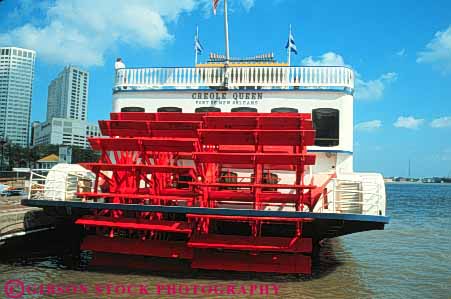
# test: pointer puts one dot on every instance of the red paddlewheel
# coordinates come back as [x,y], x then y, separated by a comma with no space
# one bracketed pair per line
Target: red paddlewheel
[210,161]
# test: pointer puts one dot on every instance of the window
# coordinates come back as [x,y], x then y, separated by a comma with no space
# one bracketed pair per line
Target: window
[326,123]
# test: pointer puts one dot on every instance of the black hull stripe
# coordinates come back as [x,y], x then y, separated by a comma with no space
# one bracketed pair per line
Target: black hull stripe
[204,211]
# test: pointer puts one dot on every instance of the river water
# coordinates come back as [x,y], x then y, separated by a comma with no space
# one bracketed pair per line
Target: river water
[411,258]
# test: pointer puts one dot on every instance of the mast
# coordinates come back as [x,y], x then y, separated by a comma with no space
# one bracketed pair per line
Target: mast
[227,53]
[196,40]
[289,47]
[226,30]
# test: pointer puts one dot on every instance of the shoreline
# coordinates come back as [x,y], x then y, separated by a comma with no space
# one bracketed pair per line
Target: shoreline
[416,183]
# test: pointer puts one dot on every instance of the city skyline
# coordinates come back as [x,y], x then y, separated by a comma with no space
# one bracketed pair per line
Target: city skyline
[403,79]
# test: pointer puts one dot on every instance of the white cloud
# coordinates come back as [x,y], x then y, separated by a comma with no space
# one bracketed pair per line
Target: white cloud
[401,52]
[441,122]
[438,51]
[408,122]
[26,8]
[364,90]
[373,89]
[327,59]
[368,126]
[206,6]
[247,4]
[80,32]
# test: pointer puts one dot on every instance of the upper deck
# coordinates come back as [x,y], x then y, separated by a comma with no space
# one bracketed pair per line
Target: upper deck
[336,78]
[259,87]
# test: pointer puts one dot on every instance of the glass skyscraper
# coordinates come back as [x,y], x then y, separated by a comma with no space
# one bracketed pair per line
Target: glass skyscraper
[16,84]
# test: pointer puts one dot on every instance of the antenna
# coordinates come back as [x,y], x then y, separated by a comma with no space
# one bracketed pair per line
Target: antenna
[409,170]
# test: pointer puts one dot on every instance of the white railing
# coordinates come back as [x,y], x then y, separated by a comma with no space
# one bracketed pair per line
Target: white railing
[59,186]
[321,77]
[367,199]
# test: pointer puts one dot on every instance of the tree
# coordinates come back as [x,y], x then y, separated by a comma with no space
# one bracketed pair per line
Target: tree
[17,156]
[84,155]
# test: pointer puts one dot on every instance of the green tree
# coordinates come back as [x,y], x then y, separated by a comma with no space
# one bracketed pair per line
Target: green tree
[80,155]
[17,156]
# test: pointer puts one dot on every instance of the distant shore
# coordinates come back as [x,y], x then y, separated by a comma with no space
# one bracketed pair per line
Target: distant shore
[417,183]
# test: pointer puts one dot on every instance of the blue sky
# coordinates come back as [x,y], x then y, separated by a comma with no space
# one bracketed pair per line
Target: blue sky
[401,54]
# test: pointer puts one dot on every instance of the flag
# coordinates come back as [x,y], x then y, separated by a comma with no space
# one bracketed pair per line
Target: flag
[215,5]
[291,44]
[197,45]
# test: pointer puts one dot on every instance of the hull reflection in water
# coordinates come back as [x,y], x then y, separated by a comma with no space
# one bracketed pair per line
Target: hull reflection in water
[45,261]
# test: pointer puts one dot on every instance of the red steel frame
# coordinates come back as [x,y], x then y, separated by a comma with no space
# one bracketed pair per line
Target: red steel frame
[180,159]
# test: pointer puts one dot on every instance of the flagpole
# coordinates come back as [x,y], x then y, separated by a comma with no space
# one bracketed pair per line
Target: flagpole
[289,47]
[226,29]
[196,40]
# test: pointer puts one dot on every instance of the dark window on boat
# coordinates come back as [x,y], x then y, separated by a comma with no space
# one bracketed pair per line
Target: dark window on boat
[326,123]
[207,109]
[182,179]
[228,177]
[244,109]
[284,110]
[270,178]
[132,109]
[169,109]
[267,178]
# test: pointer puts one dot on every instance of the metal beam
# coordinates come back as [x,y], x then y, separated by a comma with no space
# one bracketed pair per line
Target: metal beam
[203,211]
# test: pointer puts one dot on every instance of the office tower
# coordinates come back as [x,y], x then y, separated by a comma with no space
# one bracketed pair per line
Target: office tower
[16,84]
[68,95]
[67,103]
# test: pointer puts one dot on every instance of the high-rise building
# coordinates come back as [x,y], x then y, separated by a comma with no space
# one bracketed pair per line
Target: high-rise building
[68,95]
[16,84]
[67,103]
